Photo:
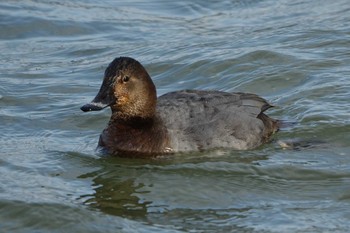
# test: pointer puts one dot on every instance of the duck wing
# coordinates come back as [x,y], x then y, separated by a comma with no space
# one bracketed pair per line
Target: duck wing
[199,120]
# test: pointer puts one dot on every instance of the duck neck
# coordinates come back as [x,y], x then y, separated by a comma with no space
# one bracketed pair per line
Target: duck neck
[144,135]
[134,122]
[120,118]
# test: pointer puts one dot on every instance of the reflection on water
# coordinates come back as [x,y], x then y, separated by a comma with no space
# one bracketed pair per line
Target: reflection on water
[242,190]
[135,189]
[293,53]
[117,197]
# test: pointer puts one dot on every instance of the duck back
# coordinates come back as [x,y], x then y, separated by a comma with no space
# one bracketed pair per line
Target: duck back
[201,120]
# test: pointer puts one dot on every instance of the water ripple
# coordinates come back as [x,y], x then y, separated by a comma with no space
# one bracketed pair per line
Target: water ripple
[293,53]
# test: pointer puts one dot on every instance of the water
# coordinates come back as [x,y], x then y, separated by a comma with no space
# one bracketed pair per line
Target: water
[53,55]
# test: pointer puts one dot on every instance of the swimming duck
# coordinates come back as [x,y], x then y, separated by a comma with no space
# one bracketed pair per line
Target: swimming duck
[179,121]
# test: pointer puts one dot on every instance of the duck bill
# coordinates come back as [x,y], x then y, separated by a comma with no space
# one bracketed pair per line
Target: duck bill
[93,106]
[100,102]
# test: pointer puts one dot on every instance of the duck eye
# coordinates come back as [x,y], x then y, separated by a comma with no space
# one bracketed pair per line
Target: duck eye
[126,78]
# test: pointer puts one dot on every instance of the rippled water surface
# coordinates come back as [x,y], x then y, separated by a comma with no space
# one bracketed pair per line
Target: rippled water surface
[294,53]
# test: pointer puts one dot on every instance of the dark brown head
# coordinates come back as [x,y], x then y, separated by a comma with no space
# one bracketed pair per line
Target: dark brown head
[127,89]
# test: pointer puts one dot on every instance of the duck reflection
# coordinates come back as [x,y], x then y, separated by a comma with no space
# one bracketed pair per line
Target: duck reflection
[143,188]
[118,199]
[116,192]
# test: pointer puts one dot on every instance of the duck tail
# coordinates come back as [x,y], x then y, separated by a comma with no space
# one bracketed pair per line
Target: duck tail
[271,125]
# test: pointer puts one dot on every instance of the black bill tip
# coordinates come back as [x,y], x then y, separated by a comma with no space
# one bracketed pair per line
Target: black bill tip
[93,107]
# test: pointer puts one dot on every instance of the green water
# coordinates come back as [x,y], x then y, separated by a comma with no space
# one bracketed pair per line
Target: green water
[293,53]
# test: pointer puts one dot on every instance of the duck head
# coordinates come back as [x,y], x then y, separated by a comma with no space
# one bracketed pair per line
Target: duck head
[127,89]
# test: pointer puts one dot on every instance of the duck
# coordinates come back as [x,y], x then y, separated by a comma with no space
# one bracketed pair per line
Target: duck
[184,121]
